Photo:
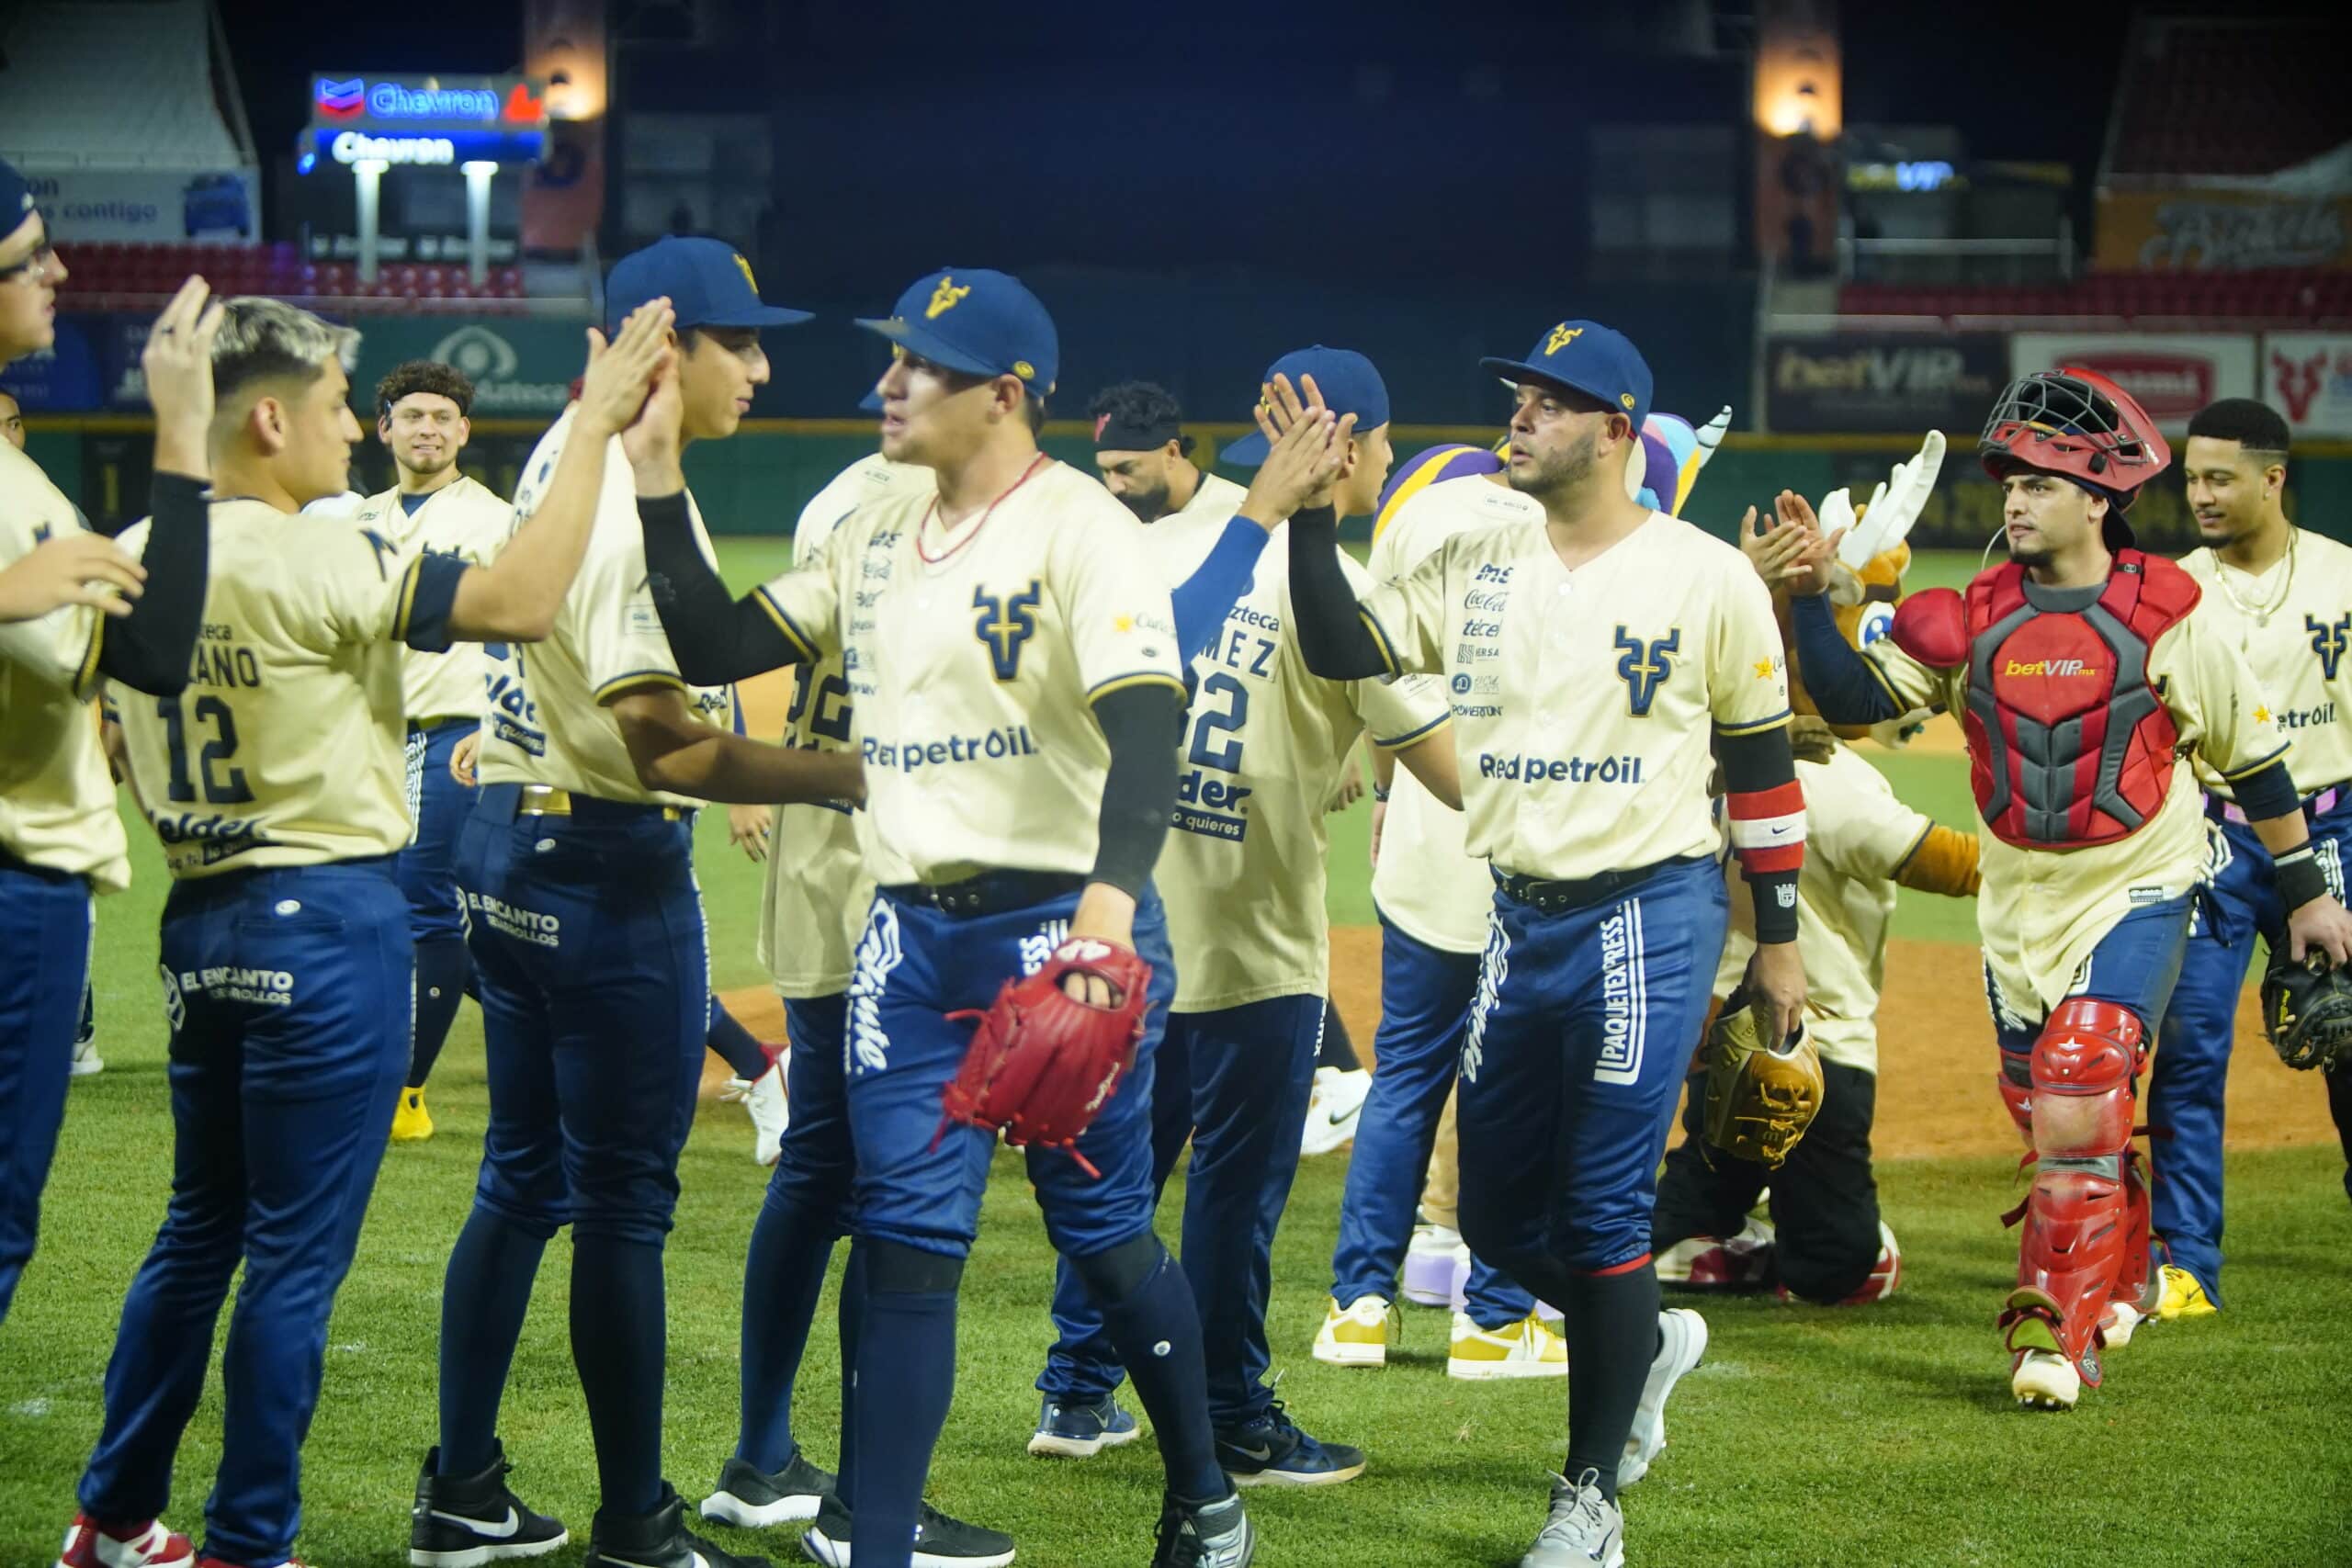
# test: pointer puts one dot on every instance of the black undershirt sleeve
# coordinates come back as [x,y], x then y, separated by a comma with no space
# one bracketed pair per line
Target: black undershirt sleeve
[1836,677]
[1141,724]
[715,638]
[150,648]
[2267,791]
[1331,631]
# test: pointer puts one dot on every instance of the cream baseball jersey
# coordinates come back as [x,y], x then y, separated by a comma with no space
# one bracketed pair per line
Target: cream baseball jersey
[470,521]
[1243,873]
[1427,881]
[971,657]
[817,891]
[285,746]
[549,721]
[56,797]
[2293,623]
[1857,835]
[2040,911]
[1585,701]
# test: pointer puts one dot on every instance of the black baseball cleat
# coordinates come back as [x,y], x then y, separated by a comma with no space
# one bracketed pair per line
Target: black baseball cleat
[658,1539]
[940,1541]
[754,1498]
[464,1522]
[1218,1535]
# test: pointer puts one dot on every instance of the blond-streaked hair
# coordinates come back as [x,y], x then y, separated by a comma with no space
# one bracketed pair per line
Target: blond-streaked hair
[268,340]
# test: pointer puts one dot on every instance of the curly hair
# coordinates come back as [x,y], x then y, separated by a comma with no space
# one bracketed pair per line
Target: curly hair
[1136,402]
[424,376]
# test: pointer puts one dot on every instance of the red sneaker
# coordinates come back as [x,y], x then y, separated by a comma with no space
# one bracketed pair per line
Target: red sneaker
[89,1544]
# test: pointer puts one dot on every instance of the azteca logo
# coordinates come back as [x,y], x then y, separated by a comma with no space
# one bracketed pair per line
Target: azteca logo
[489,362]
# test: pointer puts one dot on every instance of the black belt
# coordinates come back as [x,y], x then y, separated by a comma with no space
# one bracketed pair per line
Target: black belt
[991,892]
[1551,897]
[504,802]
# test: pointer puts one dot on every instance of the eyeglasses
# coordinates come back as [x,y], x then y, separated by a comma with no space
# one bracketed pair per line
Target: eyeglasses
[34,267]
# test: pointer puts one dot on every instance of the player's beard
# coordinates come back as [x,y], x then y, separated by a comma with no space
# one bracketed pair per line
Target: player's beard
[1150,505]
[1559,474]
[2225,530]
[2033,555]
[430,466]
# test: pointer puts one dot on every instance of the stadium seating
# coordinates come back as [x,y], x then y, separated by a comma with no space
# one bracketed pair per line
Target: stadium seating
[2185,107]
[2281,294]
[126,276]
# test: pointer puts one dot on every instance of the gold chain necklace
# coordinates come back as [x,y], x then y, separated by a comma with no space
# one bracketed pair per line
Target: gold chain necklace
[2259,613]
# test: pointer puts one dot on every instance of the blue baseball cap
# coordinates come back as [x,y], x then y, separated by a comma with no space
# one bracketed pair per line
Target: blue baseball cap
[16,198]
[1349,384]
[1587,358]
[707,282]
[979,322]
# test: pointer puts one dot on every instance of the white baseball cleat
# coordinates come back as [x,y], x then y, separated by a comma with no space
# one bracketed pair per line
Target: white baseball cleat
[2044,1380]
[1585,1529]
[1429,1265]
[1333,1107]
[1742,1261]
[1682,1336]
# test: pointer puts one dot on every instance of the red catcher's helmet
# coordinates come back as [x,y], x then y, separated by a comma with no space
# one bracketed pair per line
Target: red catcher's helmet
[2077,423]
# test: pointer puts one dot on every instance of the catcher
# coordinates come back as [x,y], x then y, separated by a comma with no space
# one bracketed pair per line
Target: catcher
[2085,681]
[1017,675]
[1826,1242]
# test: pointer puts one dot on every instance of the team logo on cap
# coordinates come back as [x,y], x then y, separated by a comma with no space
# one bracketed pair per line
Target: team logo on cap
[1625,398]
[1562,335]
[1023,369]
[745,267]
[945,297]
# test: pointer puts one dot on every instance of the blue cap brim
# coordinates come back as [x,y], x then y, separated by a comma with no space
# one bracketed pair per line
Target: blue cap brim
[758,316]
[1248,452]
[871,402]
[1516,371]
[923,344]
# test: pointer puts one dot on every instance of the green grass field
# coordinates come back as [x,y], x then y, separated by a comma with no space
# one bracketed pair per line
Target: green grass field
[1810,1437]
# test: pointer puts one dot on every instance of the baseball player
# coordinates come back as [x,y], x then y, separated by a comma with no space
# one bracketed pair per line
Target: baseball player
[274,783]
[421,418]
[1016,677]
[1828,1243]
[74,607]
[1261,752]
[2284,595]
[11,420]
[1432,897]
[2085,681]
[812,910]
[1609,915]
[586,934]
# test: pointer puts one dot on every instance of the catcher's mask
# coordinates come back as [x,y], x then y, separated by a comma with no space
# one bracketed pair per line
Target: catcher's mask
[2081,426]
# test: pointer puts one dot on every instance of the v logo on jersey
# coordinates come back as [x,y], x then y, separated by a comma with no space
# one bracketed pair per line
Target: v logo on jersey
[1003,625]
[1645,667]
[2329,640]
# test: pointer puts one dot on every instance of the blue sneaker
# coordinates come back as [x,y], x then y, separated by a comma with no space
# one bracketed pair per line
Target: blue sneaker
[1082,1431]
[1270,1450]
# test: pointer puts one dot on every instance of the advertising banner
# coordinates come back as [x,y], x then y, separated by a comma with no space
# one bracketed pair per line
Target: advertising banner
[2221,230]
[152,206]
[2308,377]
[68,376]
[427,119]
[1883,381]
[2172,374]
[521,369]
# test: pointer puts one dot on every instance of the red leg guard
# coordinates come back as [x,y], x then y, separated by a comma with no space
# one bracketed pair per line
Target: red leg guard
[2077,1250]
[2017,1101]
[2132,1285]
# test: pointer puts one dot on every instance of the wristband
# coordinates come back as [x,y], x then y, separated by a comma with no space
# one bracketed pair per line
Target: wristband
[2298,877]
[1379,792]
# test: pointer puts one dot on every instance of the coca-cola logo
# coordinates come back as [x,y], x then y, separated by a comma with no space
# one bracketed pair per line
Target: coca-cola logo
[2169,386]
[2227,236]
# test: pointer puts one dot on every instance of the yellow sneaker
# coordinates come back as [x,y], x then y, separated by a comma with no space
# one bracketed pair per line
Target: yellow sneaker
[1355,1335]
[2184,1296]
[1528,1348]
[411,1123]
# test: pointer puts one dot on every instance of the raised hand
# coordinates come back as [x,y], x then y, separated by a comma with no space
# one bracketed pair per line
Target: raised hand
[71,569]
[1310,450]
[177,364]
[1772,551]
[614,388]
[1808,573]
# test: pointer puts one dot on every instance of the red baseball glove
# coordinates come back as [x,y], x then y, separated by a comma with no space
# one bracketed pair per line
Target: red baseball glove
[1043,1063]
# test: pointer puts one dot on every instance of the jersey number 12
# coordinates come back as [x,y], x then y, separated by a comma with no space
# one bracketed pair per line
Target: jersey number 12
[226,787]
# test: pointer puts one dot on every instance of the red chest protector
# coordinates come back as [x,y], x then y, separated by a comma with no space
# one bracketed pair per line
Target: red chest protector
[2069,745]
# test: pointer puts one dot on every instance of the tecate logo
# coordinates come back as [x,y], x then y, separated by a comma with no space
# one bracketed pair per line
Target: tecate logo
[2166,385]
